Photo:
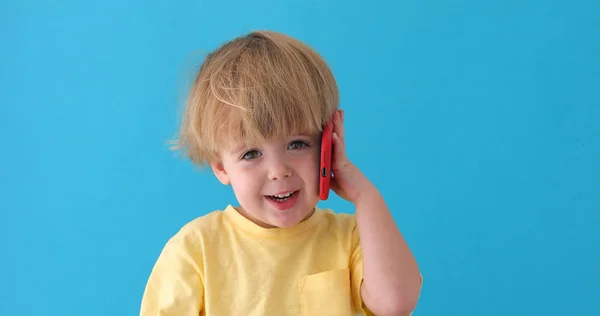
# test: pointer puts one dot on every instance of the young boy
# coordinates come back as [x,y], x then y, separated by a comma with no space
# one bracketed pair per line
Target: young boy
[255,115]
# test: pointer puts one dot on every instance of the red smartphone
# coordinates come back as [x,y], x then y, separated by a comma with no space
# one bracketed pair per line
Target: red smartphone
[325,164]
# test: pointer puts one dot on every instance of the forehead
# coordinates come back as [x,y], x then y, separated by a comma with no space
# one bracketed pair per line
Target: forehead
[253,127]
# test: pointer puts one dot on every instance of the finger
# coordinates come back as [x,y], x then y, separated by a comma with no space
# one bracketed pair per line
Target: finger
[338,125]
[334,185]
[339,153]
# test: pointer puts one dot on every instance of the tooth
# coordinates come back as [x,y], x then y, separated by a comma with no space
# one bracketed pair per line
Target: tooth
[281,196]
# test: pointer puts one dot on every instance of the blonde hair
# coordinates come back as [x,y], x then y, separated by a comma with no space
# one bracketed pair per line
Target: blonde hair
[262,85]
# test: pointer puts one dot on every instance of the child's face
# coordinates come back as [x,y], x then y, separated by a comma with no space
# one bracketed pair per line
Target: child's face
[276,167]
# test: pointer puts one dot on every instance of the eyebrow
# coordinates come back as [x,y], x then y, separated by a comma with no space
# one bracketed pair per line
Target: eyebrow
[237,149]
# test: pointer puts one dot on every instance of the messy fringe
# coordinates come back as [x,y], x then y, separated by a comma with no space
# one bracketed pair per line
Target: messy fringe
[254,88]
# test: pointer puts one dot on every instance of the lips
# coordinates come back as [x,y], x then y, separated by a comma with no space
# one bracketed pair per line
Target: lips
[283,201]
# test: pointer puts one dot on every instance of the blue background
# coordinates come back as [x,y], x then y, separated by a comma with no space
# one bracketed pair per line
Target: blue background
[478,120]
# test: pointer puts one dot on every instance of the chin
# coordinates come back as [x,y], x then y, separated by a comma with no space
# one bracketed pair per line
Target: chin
[302,217]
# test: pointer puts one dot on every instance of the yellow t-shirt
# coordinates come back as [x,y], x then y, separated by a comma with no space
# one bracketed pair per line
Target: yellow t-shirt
[224,264]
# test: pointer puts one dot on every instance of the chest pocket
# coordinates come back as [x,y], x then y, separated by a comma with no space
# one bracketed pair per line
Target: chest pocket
[326,293]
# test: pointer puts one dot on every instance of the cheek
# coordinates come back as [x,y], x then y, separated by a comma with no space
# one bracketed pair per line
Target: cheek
[245,181]
[310,169]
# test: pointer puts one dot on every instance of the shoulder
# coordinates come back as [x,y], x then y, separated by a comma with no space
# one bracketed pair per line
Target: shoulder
[210,221]
[341,220]
[196,231]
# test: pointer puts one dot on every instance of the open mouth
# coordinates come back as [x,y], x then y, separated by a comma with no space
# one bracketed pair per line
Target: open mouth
[282,197]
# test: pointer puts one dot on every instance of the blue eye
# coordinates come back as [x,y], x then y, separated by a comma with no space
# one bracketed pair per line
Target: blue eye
[252,154]
[297,144]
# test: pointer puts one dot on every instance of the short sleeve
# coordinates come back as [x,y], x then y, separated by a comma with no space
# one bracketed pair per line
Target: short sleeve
[175,284]
[356,275]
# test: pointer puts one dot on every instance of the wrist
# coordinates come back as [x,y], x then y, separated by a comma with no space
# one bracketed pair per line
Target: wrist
[366,190]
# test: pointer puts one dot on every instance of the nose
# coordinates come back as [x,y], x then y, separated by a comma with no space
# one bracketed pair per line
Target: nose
[279,169]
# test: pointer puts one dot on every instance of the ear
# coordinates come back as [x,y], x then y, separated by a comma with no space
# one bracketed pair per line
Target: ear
[220,173]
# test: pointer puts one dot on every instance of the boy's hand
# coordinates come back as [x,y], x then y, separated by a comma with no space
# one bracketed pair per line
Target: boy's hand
[391,278]
[347,180]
